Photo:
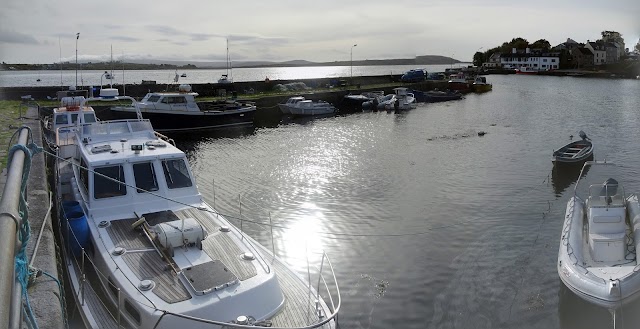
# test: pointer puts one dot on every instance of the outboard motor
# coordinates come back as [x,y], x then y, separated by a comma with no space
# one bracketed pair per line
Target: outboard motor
[583,135]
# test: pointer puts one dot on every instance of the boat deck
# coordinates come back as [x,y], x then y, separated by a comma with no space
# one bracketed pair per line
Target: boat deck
[146,263]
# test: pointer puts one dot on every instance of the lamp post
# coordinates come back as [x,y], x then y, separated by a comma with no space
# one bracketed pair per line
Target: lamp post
[352,61]
[77,37]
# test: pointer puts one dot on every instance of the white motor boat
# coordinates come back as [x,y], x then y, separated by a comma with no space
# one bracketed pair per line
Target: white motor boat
[142,249]
[299,106]
[64,118]
[180,112]
[386,102]
[404,99]
[601,232]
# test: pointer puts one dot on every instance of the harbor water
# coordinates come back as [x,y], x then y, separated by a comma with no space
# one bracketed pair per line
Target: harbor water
[200,76]
[429,222]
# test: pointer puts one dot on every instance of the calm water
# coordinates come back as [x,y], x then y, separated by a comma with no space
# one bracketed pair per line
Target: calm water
[428,224]
[94,78]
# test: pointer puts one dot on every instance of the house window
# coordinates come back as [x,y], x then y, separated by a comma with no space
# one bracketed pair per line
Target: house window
[535,65]
[553,60]
[544,60]
[111,185]
[176,173]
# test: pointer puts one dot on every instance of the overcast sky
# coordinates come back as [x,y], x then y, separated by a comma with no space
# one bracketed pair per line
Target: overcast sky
[34,31]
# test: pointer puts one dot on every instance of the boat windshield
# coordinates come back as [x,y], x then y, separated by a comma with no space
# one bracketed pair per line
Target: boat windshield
[599,181]
[176,173]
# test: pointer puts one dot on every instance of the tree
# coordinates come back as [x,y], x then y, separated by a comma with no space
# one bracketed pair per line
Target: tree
[541,44]
[479,58]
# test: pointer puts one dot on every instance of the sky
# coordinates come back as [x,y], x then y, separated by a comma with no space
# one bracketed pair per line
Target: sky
[44,31]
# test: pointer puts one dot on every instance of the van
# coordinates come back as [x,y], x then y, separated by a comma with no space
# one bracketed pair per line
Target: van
[416,75]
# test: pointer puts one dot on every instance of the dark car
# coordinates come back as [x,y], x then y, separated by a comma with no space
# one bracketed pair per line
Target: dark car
[416,75]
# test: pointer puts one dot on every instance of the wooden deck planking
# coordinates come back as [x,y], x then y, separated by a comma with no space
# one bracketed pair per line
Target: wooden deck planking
[98,310]
[202,217]
[123,235]
[296,310]
[221,247]
[150,266]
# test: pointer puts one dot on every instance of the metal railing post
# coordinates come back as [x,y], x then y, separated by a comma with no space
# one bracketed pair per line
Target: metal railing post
[83,275]
[9,219]
[273,246]
[119,301]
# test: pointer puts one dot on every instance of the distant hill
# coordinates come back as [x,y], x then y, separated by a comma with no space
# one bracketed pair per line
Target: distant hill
[168,64]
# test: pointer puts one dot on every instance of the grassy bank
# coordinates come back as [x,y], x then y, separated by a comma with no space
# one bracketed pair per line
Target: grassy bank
[9,124]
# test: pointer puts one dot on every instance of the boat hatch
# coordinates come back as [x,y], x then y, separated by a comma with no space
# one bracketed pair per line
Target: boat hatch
[100,149]
[210,276]
[156,143]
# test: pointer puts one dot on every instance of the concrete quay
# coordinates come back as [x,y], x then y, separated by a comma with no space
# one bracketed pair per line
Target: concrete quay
[44,292]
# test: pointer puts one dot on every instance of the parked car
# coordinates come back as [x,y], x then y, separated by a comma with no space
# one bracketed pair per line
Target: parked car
[415,75]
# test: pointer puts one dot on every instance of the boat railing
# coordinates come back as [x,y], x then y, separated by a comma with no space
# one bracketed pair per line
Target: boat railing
[326,290]
[114,128]
[327,287]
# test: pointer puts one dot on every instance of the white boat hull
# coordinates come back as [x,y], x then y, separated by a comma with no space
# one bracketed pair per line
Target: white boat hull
[609,286]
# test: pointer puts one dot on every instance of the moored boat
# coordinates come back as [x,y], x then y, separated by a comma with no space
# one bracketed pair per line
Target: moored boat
[458,81]
[356,102]
[299,106]
[434,96]
[575,152]
[64,118]
[527,70]
[480,85]
[180,112]
[404,99]
[142,249]
[601,231]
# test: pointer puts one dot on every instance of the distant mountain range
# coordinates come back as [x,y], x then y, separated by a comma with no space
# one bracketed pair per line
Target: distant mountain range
[131,64]
[418,60]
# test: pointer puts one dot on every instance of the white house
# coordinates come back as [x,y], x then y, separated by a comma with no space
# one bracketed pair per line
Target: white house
[599,52]
[535,61]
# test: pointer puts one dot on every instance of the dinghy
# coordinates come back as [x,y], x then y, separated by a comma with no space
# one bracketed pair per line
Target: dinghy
[601,232]
[574,152]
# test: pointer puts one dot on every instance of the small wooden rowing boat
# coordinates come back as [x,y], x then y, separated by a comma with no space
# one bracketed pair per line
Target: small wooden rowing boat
[574,152]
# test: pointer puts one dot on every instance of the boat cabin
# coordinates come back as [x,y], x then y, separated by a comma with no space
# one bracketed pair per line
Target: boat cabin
[69,112]
[126,161]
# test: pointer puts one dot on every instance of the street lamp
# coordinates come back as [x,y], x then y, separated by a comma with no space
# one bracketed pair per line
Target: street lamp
[77,37]
[352,61]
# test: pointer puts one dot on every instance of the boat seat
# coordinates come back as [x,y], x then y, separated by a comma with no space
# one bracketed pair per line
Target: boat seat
[607,247]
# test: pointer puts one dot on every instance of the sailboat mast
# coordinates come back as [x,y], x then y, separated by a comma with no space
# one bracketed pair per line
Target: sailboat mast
[111,80]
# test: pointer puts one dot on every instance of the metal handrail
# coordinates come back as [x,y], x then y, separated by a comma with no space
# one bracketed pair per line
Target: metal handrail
[9,223]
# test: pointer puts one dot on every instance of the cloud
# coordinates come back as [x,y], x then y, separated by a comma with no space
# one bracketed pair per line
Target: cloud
[125,38]
[17,37]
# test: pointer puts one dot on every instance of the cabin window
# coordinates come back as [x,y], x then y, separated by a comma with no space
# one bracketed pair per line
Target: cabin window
[165,100]
[104,187]
[84,175]
[132,311]
[176,173]
[153,99]
[177,100]
[89,117]
[62,119]
[74,117]
[145,176]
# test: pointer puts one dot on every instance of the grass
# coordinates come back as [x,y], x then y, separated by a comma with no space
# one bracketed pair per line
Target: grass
[9,123]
